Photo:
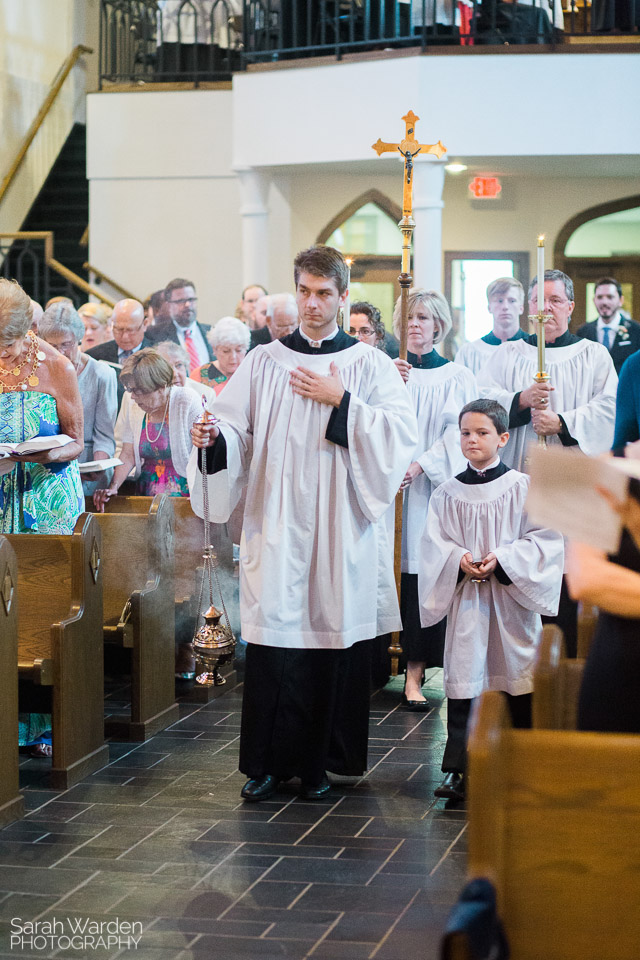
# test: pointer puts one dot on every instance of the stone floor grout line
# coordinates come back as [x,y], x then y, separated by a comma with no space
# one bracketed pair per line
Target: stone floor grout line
[278,812]
[241,844]
[250,887]
[69,893]
[384,863]
[390,929]
[363,827]
[155,830]
[315,824]
[268,930]
[80,846]
[448,850]
[299,897]
[324,936]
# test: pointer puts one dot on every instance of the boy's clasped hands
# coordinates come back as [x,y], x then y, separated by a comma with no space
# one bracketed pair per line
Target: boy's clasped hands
[479,569]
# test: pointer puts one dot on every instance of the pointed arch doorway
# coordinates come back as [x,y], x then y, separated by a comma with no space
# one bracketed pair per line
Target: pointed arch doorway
[367,231]
[603,241]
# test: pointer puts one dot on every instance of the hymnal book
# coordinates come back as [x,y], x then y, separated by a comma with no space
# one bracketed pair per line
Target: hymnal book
[34,445]
[94,466]
[563,494]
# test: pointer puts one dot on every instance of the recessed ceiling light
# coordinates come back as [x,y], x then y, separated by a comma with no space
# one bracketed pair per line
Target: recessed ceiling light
[456,167]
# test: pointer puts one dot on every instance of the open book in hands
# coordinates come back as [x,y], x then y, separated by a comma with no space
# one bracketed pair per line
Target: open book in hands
[34,445]
[96,466]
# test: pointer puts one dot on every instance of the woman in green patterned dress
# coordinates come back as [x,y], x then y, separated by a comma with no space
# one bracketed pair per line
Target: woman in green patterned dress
[39,493]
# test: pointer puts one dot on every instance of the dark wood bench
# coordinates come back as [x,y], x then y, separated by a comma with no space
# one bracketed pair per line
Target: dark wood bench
[556,683]
[188,548]
[60,664]
[553,823]
[11,802]
[138,552]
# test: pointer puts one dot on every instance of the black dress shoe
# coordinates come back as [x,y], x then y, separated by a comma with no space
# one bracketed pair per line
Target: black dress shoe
[417,706]
[453,787]
[260,789]
[315,791]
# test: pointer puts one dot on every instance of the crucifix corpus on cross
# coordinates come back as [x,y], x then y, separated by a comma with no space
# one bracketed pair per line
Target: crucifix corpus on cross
[408,149]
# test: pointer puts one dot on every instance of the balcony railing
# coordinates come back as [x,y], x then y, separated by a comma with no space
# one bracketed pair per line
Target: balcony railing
[196,41]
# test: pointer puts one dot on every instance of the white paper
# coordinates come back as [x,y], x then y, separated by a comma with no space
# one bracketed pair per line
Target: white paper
[34,445]
[563,494]
[94,466]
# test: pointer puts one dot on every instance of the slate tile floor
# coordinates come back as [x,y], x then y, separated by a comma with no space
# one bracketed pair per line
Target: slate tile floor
[160,837]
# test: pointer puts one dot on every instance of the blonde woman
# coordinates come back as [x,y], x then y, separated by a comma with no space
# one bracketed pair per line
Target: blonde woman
[438,390]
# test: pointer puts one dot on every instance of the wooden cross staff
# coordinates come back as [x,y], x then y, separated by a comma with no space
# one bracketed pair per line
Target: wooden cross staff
[408,149]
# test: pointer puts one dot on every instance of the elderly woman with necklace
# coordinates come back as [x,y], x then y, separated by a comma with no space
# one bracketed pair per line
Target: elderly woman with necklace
[62,327]
[155,429]
[39,493]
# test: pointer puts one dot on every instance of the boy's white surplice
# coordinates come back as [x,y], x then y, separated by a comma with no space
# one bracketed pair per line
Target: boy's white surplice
[584,380]
[316,558]
[492,630]
[437,396]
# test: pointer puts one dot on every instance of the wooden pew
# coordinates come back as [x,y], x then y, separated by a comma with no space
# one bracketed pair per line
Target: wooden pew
[556,683]
[60,643]
[587,620]
[553,823]
[11,801]
[188,547]
[139,579]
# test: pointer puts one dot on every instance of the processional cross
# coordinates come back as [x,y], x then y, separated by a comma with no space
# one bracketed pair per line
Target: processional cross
[408,149]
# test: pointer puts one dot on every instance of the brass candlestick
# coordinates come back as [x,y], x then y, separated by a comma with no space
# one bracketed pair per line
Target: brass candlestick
[542,375]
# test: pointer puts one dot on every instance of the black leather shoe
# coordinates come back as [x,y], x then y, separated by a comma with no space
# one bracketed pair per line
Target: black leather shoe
[453,787]
[315,791]
[260,789]
[417,706]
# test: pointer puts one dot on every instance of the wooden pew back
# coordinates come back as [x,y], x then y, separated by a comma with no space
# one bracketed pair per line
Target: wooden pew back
[553,822]
[11,802]
[556,683]
[60,638]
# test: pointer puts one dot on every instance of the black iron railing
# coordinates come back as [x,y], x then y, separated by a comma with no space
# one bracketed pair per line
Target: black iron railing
[28,259]
[204,40]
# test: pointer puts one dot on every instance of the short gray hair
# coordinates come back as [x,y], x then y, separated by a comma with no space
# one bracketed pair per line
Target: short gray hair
[61,317]
[16,312]
[282,301]
[554,275]
[173,352]
[229,331]
[437,306]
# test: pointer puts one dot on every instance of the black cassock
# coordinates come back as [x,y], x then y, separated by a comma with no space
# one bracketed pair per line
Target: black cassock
[305,711]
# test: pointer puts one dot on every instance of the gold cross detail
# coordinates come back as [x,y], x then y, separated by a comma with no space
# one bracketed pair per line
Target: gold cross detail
[409,148]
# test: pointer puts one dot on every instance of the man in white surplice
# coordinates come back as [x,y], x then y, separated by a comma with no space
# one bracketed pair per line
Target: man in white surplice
[575,407]
[319,430]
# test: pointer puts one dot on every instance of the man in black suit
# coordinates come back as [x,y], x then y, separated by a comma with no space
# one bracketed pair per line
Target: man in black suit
[183,327]
[618,333]
[128,325]
[282,319]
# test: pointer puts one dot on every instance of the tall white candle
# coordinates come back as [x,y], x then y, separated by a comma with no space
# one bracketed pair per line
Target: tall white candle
[346,310]
[541,274]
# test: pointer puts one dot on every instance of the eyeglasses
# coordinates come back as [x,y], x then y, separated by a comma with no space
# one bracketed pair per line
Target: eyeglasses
[556,301]
[362,332]
[122,331]
[179,303]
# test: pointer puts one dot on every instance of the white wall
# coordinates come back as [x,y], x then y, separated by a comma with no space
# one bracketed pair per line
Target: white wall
[37,36]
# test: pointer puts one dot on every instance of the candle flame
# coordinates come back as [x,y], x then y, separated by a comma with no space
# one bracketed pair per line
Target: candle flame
[348,261]
[541,240]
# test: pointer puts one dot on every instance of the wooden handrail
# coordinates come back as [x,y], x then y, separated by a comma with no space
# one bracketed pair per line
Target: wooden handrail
[74,278]
[54,90]
[112,283]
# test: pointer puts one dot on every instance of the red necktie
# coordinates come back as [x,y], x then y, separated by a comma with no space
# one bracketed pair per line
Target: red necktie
[194,359]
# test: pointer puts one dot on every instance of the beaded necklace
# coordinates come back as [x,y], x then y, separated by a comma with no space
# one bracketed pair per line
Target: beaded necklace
[33,356]
[164,417]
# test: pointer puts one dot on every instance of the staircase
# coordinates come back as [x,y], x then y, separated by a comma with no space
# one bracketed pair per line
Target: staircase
[63,206]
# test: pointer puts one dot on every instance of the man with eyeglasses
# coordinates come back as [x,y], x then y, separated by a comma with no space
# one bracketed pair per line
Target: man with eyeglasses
[183,327]
[576,406]
[129,326]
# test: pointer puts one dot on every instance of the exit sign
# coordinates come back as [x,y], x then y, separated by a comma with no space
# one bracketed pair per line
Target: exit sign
[485,188]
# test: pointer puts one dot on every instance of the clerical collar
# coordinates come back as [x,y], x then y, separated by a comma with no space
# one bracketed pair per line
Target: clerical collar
[494,463]
[471,476]
[494,341]
[332,344]
[564,340]
[428,361]
[316,344]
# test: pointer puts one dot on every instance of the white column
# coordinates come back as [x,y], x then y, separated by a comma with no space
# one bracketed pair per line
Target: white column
[254,210]
[428,184]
